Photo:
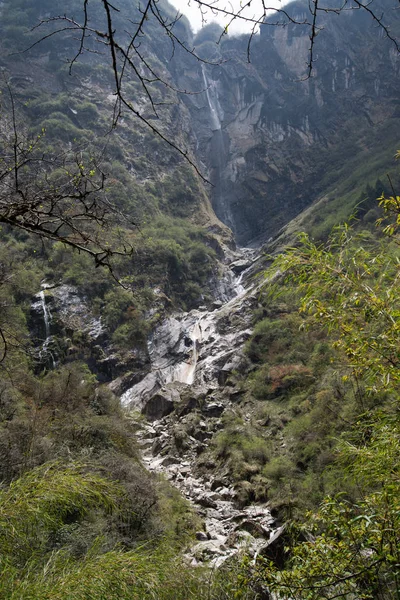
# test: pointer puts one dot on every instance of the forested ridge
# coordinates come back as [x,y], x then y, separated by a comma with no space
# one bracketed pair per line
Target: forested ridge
[104,234]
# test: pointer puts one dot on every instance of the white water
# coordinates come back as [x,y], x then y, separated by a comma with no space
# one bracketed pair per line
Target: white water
[185,371]
[196,349]
[45,351]
[188,348]
[46,314]
[212,101]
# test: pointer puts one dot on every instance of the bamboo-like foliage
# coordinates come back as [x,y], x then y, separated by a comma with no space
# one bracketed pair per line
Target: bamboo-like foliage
[350,287]
[38,504]
[353,550]
[41,502]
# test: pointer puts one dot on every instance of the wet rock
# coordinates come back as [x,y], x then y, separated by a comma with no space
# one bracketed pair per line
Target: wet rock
[201,536]
[240,265]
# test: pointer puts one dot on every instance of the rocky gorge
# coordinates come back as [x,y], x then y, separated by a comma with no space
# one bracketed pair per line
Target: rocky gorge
[171,399]
[265,156]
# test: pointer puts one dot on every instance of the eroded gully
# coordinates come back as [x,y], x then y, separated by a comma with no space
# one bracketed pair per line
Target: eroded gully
[192,355]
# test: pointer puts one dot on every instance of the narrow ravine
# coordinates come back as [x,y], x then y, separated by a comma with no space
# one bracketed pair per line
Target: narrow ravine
[191,356]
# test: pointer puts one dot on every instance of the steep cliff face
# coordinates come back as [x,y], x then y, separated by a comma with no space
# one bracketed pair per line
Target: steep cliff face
[271,140]
[276,140]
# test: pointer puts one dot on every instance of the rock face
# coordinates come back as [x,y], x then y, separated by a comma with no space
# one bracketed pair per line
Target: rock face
[197,349]
[64,329]
[270,135]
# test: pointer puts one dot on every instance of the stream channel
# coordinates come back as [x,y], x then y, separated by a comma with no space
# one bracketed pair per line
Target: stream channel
[192,355]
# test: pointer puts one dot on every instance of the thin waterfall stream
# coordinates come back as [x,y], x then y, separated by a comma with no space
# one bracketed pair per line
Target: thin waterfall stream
[45,354]
[212,101]
[46,314]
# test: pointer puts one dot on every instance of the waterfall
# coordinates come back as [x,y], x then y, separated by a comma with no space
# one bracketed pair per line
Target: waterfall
[212,101]
[188,348]
[46,314]
[45,351]
[203,348]
[218,153]
[185,371]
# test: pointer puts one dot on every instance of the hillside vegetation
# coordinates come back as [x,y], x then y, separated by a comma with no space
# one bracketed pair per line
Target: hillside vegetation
[315,432]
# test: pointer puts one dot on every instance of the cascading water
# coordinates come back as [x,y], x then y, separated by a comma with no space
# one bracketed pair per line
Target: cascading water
[46,313]
[45,353]
[212,100]
[188,348]
[198,350]
[218,151]
[185,371]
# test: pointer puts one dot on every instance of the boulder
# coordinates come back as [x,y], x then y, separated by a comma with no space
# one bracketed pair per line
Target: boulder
[214,409]
[206,501]
[161,404]
[240,265]
[253,527]
[275,549]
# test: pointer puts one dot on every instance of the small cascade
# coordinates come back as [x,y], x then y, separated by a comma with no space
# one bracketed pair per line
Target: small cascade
[212,101]
[218,152]
[185,371]
[45,353]
[46,314]
[188,348]
[193,355]
[239,288]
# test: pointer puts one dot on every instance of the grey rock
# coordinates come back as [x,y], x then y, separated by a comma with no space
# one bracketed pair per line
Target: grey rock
[161,404]
[213,409]
[206,501]
[240,265]
[254,528]
[217,304]
[169,460]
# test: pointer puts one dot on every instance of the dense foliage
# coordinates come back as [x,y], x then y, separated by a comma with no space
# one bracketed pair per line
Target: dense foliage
[349,287]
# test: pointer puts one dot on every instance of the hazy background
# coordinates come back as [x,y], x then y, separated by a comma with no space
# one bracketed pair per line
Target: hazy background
[191,9]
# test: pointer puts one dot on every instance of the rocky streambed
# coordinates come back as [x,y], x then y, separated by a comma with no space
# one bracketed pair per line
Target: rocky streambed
[194,358]
[227,528]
